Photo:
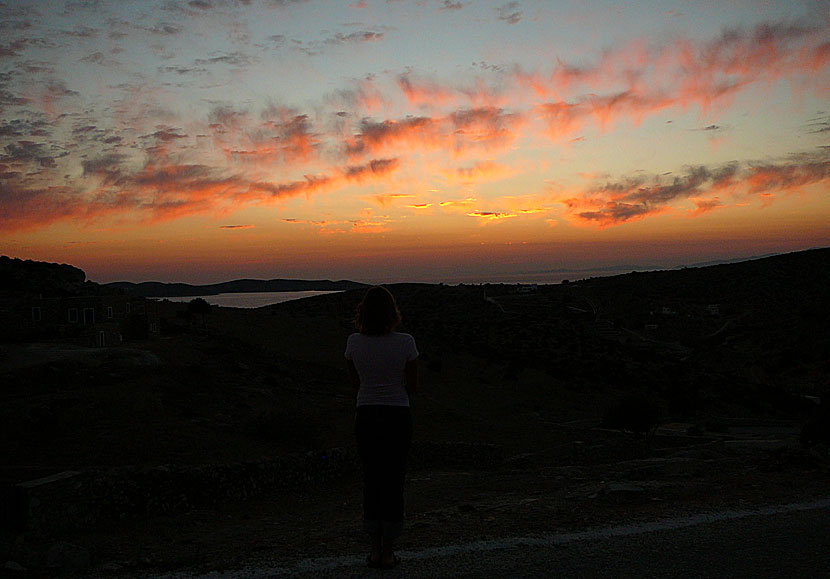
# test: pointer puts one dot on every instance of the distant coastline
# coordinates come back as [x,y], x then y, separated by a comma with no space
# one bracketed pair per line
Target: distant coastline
[250,300]
[153,289]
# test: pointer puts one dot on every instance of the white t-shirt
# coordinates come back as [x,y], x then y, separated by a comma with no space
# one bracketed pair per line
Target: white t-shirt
[380,362]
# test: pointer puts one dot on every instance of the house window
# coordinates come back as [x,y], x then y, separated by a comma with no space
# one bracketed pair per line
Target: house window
[89,316]
[109,311]
[73,315]
[102,339]
[128,307]
[36,314]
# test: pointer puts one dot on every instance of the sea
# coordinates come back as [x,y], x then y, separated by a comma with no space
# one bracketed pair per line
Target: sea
[261,299]
[250,299]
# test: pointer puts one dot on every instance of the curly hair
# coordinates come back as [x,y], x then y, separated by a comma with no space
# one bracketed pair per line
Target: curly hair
[378,313]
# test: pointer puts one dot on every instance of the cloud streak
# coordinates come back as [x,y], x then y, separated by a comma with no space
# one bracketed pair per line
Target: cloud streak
[618,202]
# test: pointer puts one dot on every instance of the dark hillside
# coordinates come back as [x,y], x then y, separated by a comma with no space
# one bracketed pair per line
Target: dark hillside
[19,276]
[157,289]
[497,366]
[229,435]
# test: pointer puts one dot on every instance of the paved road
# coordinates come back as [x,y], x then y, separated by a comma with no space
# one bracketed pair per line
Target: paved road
[789,541]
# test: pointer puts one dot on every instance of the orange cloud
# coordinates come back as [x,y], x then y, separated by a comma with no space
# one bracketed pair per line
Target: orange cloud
[163,190]
[280,136]
[704,206]
[480,171]
[387,198]
[488,128]
[488,216]
[419,92]
[630,199]
[632,82]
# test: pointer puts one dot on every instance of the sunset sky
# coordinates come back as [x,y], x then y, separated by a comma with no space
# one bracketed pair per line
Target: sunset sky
[207,140]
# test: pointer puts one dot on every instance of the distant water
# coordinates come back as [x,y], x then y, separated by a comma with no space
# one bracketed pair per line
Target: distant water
[251,299]
[539,277]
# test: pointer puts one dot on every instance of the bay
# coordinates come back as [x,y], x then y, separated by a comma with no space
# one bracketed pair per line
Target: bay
[250,299]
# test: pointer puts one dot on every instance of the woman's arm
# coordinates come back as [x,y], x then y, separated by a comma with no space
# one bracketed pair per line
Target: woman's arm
[354,377]
[411,375]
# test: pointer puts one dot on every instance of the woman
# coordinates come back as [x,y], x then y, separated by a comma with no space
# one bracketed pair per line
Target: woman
[384,373]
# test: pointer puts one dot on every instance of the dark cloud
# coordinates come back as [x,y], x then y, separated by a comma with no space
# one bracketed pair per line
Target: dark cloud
[166,135]
[509,13]
[375,167]
[36,67]
[376,134]
[29,125]
[797,172]
[284,3]
[83,130]
[182,70]
[15,25]
[13,48]
[233,59]
[98,57]
[28,152]
[820,124]
[82,32]
[274,42]
[616,213]
[81,5]
[317,47]
[10,99]
[628,199]
[355,37]
[452,5]
[108,168]
[227,117]
[31,207]
[58,89]
[164,29]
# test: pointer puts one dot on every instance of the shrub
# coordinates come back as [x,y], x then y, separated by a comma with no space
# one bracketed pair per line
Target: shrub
[635,413]
[817,429]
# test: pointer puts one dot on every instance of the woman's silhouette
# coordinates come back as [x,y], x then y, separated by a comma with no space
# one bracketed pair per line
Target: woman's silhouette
[384,373]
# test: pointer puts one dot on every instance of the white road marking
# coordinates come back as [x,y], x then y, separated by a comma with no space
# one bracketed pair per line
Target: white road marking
[320,564]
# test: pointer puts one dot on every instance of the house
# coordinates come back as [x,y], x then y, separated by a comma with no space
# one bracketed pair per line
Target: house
[91,320]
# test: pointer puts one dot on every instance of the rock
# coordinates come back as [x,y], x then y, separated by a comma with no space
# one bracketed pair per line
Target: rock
[14,566]
[753,444]
[620,489]
[67,557]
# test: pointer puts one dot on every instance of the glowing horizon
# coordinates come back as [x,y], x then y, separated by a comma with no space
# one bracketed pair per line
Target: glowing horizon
[206,140]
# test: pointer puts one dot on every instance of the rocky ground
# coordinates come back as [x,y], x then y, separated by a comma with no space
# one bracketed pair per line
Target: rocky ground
[596,479]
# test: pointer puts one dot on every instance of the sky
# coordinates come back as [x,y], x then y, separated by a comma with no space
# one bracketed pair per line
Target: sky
[384,140]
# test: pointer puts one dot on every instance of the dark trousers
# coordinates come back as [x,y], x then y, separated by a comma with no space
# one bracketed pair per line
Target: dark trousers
[384,435]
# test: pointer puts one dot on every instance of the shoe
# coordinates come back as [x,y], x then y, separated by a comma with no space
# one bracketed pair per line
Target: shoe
[371,563]
[391,565]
